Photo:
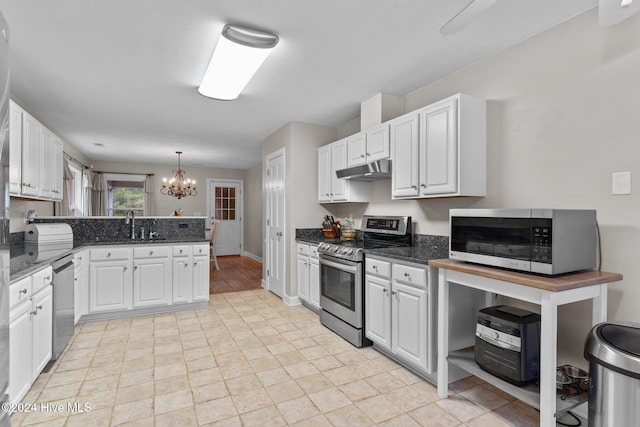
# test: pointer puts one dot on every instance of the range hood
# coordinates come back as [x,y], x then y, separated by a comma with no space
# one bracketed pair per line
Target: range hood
[374,171]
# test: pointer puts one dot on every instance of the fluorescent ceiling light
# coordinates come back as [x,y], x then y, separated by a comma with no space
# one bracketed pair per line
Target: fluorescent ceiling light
[236,58]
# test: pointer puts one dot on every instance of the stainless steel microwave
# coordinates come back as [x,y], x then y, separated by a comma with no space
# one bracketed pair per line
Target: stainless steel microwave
[546,241]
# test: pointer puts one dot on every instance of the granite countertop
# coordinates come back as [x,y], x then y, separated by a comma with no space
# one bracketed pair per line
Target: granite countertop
[415,254]
[23,264]
[425,246]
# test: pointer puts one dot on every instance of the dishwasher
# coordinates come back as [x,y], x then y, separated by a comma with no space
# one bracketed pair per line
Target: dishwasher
[63,308]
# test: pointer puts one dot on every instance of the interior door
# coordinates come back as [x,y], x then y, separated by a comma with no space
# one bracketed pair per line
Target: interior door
[275,223]
[226,200]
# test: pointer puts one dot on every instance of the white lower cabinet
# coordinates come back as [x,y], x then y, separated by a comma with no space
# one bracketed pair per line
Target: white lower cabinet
[30,331]
[308,274]
[397,310]
[110,279]
[151,276]
[145,276]
[80,293]
[201,268]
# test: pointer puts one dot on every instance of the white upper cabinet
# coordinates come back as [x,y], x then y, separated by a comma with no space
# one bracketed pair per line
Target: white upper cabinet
[404,152]
[15,145]
[331,158]
[357,149]
[449,158]
[378,143]
[36,158]
[31,137]
[368,146]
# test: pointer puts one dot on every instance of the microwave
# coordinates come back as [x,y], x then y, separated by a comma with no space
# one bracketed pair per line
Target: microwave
[545,241]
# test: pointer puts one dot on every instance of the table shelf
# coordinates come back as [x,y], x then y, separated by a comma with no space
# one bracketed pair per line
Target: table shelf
[528,393]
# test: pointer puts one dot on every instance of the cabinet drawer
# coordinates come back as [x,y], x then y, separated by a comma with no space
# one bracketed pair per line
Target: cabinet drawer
[41,279]
[303,249]
[199,250]
[109,254]
[19,291]
[151,252]
[410,275]
[181,250]
[379,267]
[313,251]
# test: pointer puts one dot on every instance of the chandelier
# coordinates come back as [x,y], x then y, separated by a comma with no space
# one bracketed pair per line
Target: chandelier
[177,186]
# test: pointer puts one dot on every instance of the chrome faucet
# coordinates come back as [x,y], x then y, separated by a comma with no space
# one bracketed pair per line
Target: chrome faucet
[132,216]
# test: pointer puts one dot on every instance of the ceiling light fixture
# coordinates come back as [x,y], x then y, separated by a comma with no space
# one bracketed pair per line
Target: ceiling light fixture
[177,186]
[236,58]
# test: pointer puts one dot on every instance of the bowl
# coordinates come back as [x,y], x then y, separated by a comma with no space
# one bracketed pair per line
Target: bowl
[348,234]
[562,379]
[573,372]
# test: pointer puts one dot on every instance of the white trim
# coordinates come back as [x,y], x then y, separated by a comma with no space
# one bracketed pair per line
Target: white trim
[252,256]
[264,284]
[291,301]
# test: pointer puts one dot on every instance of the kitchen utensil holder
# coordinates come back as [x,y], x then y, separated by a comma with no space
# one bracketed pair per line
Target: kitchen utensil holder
[328,233]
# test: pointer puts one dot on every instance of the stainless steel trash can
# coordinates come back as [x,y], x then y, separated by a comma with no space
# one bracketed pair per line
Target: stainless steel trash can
[613,352]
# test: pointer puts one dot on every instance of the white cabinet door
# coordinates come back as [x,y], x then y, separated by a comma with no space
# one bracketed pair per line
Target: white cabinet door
[324,174]
[314,282]
[56,168]
[20,351]
[31,129]
[47,163]
[404,152]
[42,322]
[79,285]
[377,311]
[303,277]
[357,149]
[151,282]
[110,286]
[378,143]
[15,146]
[438,148]
[409,311]
[201,278]
[182,279]
[339,187]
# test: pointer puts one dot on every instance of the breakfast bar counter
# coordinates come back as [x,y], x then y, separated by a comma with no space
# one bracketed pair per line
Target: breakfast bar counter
[547,291]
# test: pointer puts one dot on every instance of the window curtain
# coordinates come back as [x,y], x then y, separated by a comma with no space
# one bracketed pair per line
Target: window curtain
[98,207]
[88,188]
[148,189]
[62,208]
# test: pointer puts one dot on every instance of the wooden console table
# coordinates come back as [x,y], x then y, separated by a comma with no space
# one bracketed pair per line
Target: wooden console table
[547,291]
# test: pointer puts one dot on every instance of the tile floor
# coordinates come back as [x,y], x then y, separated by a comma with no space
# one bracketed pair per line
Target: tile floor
[248,359]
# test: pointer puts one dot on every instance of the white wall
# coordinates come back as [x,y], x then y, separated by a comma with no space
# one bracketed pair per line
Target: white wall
[253,217]
[562,116]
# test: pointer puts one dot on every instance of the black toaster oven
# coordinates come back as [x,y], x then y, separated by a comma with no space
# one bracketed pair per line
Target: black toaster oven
[508,343]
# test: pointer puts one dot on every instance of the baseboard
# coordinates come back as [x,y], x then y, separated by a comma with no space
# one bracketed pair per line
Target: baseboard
[265,284]
[252,256]
[291,300]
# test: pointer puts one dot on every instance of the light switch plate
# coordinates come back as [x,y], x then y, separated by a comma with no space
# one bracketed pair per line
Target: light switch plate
[621,183]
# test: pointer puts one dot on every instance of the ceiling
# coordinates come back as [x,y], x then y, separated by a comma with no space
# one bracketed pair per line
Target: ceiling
[123,74]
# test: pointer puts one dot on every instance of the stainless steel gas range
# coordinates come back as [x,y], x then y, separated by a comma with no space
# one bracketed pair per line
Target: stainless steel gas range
[342,278]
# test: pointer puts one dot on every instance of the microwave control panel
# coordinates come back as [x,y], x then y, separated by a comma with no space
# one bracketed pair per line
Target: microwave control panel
[541,238]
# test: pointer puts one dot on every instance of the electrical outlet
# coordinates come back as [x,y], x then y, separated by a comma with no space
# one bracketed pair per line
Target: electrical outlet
[621,183]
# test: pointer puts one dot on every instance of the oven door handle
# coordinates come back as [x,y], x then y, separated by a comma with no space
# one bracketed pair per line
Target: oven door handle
[346,266]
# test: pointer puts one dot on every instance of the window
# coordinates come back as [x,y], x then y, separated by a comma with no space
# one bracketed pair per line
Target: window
[75,190]
[225,203]
[125,195]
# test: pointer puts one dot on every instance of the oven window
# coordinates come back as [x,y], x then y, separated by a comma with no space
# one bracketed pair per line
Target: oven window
[338,286]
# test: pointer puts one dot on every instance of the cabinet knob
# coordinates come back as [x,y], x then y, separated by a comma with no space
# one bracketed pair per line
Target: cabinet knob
[408,276]
[108,254]
[385,290]
[362,155]
[150,252]
[180,250]
[375,267]
[22,291]
[414,187]
[423,185]
[135,267]
[368,154]
[187,265]
[47,278]
[393,292]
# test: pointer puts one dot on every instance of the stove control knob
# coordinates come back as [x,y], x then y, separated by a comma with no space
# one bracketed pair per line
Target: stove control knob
[335,249]
[496,335]
[349,251]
